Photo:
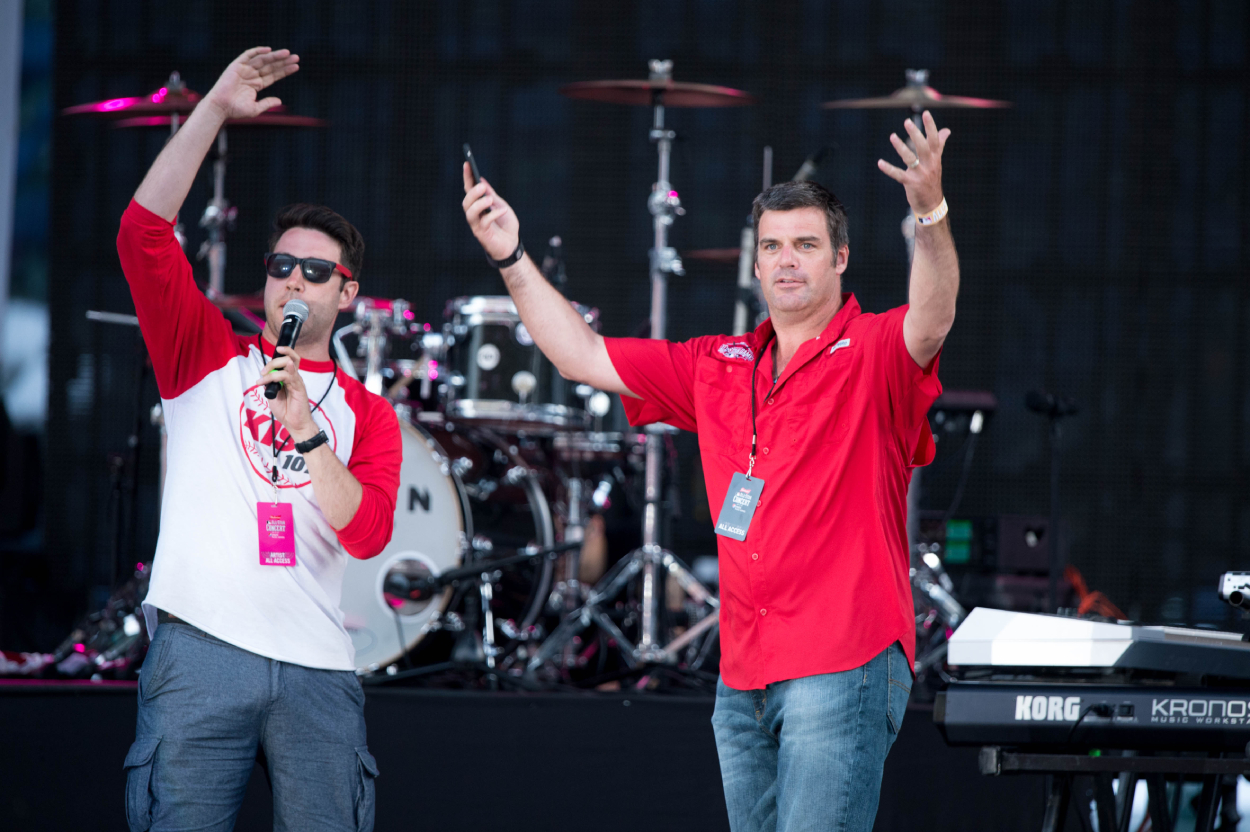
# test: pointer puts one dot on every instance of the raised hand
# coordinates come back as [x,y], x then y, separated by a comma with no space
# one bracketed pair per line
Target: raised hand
[922,177]
[235,93]
[498,228]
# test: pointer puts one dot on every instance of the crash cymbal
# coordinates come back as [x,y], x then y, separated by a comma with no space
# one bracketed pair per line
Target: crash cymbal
[714,255]
[674,93]
[917,96]
[174,97]
[271,118]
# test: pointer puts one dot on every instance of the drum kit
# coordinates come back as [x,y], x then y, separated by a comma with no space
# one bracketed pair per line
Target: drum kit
[506,464]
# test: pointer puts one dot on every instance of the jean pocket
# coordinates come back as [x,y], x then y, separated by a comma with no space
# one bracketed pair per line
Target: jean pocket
[138,767]
[900,681]
[367,769]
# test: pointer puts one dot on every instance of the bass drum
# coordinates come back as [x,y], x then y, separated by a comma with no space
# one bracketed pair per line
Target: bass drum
[458,490]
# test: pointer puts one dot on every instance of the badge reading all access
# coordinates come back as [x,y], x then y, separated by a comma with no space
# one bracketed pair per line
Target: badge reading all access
[276,526]
[739,508]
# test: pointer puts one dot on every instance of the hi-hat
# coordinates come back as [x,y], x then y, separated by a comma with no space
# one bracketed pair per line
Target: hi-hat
[673,93]
[917,96]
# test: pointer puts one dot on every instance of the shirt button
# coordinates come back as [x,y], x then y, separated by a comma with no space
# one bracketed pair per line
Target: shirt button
[770,401]
[755,556]
[766,450]
[763,612]
[729,369]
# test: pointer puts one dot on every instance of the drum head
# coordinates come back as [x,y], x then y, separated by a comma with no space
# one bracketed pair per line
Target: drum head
[429,538]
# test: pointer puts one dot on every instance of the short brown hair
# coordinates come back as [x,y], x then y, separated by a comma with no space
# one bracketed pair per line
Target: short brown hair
[789,196]
[333,225]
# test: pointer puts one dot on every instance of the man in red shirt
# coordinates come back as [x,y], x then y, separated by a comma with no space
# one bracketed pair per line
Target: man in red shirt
[808,430]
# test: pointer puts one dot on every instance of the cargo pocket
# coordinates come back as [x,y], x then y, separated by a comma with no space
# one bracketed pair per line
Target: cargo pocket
[900,682]
[368,771]
[138,768]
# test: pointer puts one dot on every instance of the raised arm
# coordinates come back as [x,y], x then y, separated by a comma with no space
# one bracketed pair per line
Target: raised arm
[935,265]
[559,331]
[168,181]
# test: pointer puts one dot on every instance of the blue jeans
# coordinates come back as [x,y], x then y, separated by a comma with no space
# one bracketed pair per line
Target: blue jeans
[205,707]
[807,754]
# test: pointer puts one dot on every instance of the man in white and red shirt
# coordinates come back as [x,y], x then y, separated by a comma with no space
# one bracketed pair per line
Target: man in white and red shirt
[264,501]
[808,430]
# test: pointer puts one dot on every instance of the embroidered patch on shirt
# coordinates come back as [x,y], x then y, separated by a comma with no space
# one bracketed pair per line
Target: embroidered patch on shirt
[738,350]
[845,342]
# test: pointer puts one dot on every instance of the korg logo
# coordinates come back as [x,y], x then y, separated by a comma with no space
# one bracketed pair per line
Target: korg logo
[1050,708]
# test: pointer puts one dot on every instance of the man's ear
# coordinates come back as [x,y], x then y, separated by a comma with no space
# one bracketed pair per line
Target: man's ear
[347,294]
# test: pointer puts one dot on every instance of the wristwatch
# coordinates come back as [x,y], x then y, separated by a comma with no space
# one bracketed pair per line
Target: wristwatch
[308,445]
[510,259]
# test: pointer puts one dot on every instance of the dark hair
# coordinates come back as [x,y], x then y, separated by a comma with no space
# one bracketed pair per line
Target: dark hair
[788,196]
[334,226]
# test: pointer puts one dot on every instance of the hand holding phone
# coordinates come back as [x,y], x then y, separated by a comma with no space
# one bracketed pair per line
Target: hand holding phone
[477,175]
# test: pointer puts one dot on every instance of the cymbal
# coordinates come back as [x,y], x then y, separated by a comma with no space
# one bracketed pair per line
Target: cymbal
[270,118]
[162,102]
[916,96]
[714,255]
[675,93]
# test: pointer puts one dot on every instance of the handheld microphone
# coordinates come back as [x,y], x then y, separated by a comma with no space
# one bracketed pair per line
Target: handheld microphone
[293,316]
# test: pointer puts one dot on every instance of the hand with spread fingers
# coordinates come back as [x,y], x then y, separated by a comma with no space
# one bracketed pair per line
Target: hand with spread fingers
[922,176]
[290,407]
[492,220]
[235,93]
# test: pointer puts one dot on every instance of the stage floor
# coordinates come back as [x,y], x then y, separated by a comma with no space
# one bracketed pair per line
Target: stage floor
[489,761]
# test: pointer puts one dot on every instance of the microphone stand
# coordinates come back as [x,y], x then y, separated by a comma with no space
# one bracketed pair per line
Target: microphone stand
[1055,409]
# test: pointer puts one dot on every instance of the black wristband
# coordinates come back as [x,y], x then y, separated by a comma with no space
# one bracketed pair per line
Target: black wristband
[316,441]
[514,257]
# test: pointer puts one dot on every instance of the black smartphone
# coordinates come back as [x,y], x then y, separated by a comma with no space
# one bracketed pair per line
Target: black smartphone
[468,157]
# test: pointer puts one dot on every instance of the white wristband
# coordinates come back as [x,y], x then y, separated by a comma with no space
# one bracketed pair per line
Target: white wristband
[936,215]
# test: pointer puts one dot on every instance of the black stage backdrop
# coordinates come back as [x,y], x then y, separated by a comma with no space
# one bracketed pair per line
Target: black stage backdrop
[1100,222]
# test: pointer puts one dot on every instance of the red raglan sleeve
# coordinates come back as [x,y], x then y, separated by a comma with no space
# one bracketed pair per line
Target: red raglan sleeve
[377,454]
[661,375]
[912,389]
[186,335]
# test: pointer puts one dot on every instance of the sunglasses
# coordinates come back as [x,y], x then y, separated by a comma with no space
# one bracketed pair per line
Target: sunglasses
[314,269]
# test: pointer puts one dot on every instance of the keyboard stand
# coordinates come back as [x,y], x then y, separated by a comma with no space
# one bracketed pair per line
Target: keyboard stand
[1114,810]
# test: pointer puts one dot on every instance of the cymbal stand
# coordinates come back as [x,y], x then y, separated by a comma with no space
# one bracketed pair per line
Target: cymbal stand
[664,206]
[218,218]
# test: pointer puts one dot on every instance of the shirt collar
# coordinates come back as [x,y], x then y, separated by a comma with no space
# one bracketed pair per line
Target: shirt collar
[305,364]
[845,314]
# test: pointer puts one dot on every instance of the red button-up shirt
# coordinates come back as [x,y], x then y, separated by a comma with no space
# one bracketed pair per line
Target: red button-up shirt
[821,582]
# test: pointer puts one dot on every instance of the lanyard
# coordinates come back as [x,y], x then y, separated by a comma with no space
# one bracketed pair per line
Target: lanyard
[260,344]
[755,368]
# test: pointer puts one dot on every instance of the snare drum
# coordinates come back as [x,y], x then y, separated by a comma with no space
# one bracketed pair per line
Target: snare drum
[496,375]
[456,486]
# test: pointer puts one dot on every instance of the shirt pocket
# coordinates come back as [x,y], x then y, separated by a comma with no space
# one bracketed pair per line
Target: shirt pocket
[819,402]
[722,402]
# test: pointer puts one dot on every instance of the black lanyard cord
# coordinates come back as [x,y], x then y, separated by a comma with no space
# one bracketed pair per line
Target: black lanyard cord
[754,369]
[333,377]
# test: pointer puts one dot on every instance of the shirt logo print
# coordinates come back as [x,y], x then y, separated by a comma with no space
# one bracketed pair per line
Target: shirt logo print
[256,434]
[738,350]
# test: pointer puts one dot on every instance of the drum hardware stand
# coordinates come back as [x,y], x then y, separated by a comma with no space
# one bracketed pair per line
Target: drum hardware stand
[483,574]
[746,258]
[219,216]
[664,205]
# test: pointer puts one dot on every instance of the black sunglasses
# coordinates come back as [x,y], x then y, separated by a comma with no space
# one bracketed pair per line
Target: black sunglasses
[315,270]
